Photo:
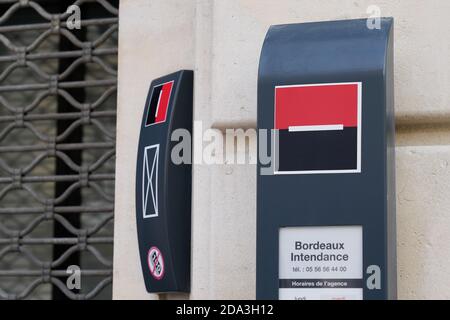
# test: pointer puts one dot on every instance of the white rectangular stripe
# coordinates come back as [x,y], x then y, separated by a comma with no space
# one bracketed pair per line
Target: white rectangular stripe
[159,101]
[331,127]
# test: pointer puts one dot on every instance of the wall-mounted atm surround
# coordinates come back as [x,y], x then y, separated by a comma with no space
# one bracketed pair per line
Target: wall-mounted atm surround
[163,188]
[326,210]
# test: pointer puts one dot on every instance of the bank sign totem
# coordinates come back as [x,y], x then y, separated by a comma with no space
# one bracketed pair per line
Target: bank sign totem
[326,202]
[163,188]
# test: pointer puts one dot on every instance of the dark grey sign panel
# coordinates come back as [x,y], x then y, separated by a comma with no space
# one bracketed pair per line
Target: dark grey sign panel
[326,202]
[163,188]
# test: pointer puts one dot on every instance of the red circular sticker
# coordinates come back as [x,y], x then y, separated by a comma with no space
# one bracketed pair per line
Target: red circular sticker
[155,262]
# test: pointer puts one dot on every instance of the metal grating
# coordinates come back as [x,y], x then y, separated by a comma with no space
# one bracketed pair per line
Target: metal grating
[57,148]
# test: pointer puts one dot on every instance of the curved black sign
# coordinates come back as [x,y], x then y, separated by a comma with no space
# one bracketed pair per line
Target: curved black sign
[163,188]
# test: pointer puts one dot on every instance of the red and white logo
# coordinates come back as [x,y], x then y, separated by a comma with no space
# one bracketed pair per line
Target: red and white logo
[159,104]
[155,262]
[318,128]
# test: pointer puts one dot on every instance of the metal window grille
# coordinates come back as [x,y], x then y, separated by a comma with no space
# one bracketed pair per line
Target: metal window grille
[57,147]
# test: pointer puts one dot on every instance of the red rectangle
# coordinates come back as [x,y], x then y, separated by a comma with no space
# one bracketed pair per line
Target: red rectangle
[314,105]
[163,105]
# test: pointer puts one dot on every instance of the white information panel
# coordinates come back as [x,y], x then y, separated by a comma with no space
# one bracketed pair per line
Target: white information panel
[321,263]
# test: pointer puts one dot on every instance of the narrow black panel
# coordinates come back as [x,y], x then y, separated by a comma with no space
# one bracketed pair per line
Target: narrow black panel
[163,188]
